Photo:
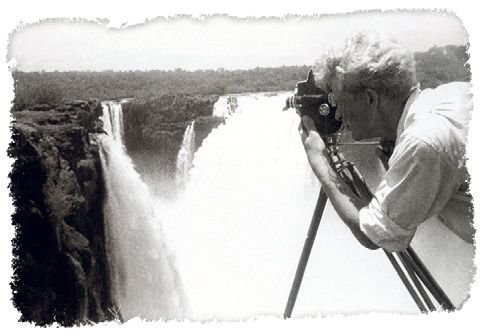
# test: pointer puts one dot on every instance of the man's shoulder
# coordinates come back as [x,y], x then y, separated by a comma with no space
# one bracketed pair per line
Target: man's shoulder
[448,105]
[446,93]
[453,86]
[440,118]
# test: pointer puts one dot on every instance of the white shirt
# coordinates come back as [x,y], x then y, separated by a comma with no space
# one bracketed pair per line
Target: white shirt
[427,174]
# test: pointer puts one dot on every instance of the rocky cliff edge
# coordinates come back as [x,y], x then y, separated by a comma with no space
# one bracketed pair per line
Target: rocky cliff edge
[60,267]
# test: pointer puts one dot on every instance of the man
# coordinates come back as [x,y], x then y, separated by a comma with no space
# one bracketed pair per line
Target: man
[373,84]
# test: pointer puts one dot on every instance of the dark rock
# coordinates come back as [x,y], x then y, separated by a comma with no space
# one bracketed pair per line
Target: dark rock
[86,170]
[43,107]
[60,267]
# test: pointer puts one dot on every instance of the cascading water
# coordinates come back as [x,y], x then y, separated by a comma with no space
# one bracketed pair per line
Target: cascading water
[226,106]
[144,280]
[185,156]
[113,121]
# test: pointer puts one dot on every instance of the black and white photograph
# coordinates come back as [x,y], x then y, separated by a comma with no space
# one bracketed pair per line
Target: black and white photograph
[222,168]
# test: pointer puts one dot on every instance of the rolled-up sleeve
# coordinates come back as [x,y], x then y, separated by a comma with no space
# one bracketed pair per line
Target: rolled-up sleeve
[382,231]
[416,187]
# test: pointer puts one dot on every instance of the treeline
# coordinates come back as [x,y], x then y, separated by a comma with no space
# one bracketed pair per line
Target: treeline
[51,87]
[435,66]
[441,65]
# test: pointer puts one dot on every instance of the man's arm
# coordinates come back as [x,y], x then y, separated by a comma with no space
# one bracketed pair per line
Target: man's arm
[345,202]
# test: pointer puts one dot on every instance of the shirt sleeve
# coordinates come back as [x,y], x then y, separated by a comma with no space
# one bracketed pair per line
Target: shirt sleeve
[416,187]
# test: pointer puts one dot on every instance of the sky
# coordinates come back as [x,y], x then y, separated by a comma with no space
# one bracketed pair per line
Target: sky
[216,41]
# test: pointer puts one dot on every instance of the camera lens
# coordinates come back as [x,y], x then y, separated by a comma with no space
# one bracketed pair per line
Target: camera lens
[324,110]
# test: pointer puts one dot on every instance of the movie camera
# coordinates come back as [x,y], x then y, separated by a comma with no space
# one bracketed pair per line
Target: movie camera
[310,100]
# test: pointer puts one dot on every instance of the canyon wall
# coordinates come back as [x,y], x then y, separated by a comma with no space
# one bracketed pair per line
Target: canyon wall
[60,267]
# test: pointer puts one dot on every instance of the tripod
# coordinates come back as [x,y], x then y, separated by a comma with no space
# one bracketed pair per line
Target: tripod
[418,276]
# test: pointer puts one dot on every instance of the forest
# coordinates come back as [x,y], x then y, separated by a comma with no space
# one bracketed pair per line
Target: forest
[435,66]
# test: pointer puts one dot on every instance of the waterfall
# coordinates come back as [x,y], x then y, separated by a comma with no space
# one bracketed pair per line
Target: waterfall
[144,279]
[226,106]
[185,156]
[113,121]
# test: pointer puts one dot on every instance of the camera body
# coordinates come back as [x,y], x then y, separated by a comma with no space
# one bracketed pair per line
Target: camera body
[310,100]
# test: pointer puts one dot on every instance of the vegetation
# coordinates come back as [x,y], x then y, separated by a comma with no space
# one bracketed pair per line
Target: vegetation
[51,87]
[442,65]
[437,65]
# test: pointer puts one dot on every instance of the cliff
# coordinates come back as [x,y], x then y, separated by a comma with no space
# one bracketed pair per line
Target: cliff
[60,267]
[154,129]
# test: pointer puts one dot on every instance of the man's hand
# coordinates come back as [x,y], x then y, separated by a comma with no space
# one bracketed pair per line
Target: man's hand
[315,149]
[346,204]
[309,135]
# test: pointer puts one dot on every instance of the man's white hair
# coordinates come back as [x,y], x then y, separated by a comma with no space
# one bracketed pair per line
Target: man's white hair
[368,60]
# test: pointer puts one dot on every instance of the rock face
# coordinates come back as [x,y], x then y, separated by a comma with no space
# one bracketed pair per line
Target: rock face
[60,267]
[154,129]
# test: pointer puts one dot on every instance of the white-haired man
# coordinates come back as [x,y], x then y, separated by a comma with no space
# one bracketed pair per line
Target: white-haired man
[373,84]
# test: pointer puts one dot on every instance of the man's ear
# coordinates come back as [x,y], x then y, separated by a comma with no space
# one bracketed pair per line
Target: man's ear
[372,97]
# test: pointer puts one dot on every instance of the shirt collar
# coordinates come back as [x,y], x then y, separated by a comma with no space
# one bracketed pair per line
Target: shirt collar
[415,90]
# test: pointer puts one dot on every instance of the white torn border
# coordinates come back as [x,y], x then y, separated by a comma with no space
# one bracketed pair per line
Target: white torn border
[466,321]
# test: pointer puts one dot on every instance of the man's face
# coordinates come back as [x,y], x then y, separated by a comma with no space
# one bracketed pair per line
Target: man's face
[355,112]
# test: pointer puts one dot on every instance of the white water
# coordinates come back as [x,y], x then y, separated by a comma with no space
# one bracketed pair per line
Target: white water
[113,121]
[226,106]
[185,156]
[144,280]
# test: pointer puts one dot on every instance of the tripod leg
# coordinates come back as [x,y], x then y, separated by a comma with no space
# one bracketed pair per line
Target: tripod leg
[308,245]
[429,281]
[406,282]
[409,268]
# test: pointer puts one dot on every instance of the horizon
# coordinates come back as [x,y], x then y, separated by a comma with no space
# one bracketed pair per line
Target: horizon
[216,42]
